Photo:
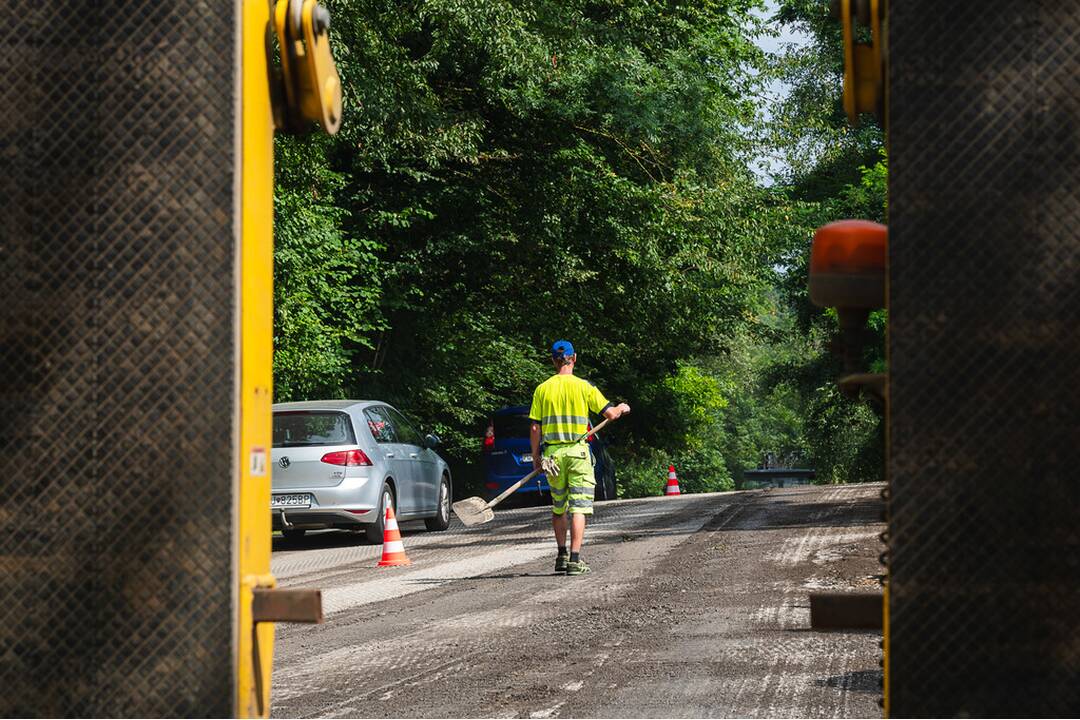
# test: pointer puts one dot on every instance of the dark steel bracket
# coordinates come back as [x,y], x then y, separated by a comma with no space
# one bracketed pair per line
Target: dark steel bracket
[270,604]
[846,611]
[874,384]
[301,605]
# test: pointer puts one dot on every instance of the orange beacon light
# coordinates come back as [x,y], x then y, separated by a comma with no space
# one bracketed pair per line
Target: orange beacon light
[847,265]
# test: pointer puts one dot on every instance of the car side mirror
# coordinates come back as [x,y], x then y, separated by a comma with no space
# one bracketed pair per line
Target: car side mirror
[431,441]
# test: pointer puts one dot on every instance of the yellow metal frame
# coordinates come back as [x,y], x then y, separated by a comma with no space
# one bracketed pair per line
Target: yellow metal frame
[866,89]
[312,85]
[880,32]
[864,65]
[885,646]
[256,273]
[322,86]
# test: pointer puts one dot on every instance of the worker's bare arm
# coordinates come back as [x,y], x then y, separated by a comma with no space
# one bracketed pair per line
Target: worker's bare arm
[534,441]
[617,411]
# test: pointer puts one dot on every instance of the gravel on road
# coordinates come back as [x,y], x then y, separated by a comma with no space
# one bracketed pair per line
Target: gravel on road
[697,606]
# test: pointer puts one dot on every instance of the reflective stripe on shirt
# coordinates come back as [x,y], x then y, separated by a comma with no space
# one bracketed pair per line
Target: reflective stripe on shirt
[562,405]
[564,428]
[566,420]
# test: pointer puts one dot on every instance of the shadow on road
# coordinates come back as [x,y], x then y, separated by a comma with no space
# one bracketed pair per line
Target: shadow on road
[782,514]
[861,681]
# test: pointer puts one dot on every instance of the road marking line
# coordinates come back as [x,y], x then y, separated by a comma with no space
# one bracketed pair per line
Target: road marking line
[295,564]
[396,583]
[342,598]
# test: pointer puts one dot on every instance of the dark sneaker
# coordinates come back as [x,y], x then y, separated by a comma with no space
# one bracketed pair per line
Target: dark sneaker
[576,568]
[561,562]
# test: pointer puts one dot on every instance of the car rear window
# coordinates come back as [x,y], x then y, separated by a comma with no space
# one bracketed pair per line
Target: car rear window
[511,426]
[312,427]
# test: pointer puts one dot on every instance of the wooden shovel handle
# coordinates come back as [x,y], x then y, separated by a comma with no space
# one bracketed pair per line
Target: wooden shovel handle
[513,488]
[502,496]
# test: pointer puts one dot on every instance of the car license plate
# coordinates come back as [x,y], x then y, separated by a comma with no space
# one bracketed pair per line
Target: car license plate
[296,500]
[526,458]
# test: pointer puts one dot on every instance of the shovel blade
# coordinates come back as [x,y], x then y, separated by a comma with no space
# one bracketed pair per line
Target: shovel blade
[473,511]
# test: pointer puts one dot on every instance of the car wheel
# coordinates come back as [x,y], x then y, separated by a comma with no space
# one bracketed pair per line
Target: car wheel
[441,521]
[293,533]
[374,531]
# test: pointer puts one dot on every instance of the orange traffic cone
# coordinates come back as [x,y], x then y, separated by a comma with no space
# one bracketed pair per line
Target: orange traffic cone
[393,551]
[672,482]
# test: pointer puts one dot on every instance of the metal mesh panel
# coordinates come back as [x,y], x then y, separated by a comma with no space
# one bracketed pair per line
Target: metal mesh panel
[116,358]
[985,359]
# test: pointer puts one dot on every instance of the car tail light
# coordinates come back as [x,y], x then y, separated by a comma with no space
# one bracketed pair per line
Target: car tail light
[492,485]
[346,457]
[489,438]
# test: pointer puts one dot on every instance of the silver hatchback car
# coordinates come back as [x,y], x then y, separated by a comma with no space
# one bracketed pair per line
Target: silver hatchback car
[341,463]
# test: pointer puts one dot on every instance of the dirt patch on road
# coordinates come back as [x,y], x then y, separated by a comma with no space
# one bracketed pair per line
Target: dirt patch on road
[696,608]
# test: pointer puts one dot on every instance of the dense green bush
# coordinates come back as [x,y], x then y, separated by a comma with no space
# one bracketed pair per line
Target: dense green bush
[512,173]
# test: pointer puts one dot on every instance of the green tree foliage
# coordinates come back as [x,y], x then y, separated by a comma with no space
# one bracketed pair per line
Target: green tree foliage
[831,171]
[326,282]
[512,173]
[845,436]
[820,150]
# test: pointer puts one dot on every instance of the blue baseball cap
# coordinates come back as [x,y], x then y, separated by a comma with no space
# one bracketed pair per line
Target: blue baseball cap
[562,349]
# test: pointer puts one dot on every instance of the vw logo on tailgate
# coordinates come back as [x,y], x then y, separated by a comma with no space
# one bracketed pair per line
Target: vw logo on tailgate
[284,461]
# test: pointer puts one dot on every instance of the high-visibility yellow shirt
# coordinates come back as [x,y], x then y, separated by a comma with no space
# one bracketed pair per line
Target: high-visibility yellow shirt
[561,405]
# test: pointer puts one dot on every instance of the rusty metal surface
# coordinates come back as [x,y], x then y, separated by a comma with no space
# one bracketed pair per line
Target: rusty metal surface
[984,359]
[116,358]
[295,605]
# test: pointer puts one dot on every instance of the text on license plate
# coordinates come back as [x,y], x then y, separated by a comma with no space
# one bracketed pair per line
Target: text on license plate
[526,458]
[295,500]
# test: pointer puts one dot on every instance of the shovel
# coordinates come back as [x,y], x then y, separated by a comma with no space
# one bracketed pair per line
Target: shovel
[474,511]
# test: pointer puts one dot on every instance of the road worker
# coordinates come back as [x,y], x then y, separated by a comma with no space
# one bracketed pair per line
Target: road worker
[560,415]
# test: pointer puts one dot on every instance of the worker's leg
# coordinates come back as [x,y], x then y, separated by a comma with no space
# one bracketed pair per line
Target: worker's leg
[581,486]
[559,500]
[559,523]
[577,530]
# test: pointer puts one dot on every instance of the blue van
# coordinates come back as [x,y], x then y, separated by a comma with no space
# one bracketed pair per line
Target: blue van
[508,458]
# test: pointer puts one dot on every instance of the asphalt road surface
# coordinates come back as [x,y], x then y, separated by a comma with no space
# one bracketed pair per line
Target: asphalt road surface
[696,607]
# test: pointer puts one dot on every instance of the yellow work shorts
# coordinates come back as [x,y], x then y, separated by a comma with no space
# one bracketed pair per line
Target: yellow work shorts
[575,484]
